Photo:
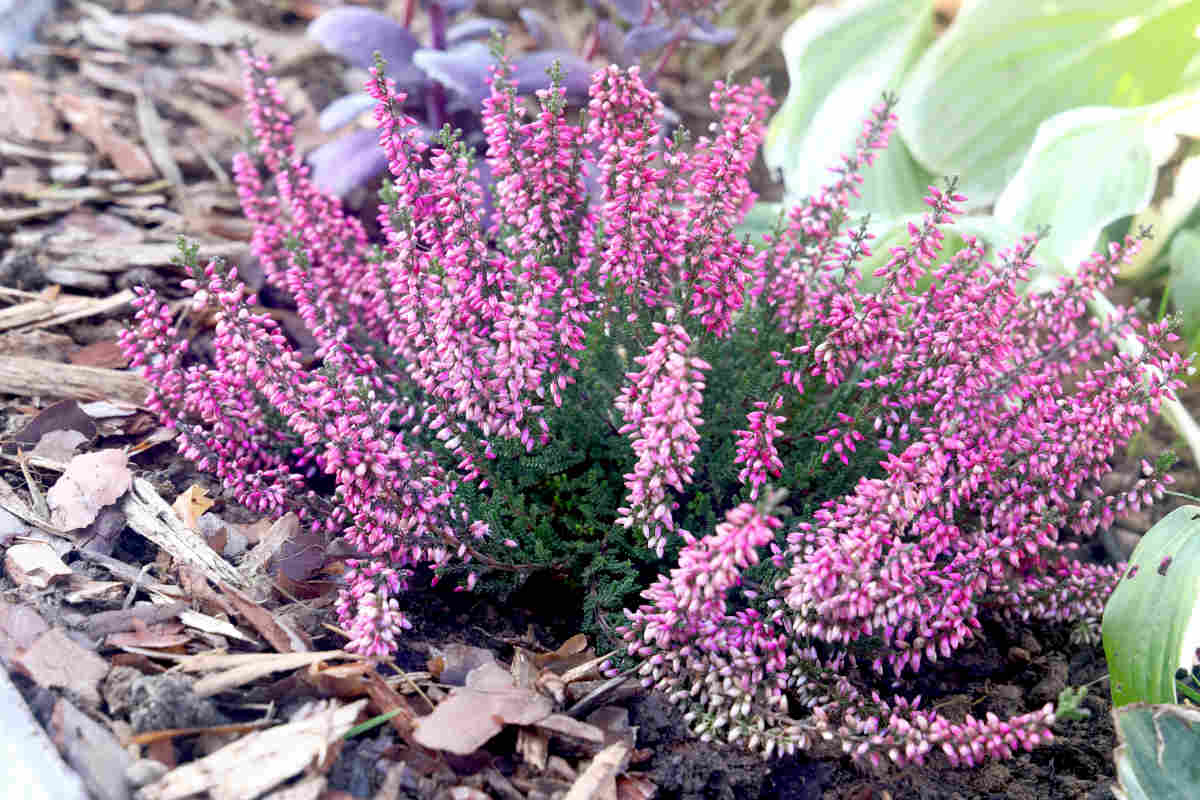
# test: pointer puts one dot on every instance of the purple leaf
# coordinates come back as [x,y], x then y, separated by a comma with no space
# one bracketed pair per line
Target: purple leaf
[546,35]
[612,43]
[462,70]
[530,72]
[705,32]
[451,7]
[356,34]
[347,162]
[478,28]
[630,10]
[646,38]
[344,110]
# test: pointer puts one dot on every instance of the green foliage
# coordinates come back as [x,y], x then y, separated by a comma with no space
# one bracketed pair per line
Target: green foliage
[558,503]
[1158,752]
[1151,623]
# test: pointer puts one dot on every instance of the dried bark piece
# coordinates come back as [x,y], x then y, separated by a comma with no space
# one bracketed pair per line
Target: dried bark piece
[599,780]
[260,761]
[24,112]
[150,516]
[92,750]
[94,118]
[29,377]
[34,564]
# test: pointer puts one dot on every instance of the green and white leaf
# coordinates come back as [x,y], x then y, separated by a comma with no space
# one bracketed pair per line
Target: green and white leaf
[973,103]
[1158,752]
[1183,281]
[1151,624]
[1091,166]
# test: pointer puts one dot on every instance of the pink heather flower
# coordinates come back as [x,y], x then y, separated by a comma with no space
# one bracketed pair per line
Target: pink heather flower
[661,407]
[756,446]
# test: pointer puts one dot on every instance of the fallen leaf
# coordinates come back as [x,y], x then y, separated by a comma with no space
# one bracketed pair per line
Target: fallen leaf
[156,637]
[58,446]
[452,663]
[279,633]
[55,661]
[20,626]
[193,502]
[472,714]
[575,646]
[34,564]
[62,416]
[91,482]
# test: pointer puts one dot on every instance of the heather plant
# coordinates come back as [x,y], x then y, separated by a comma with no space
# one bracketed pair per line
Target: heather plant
[834,487]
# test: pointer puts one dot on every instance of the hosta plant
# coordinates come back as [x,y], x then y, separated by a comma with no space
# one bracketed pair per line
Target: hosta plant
[835,487]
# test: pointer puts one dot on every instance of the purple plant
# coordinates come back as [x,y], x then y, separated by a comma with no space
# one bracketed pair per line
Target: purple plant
[988,416]
[445,82]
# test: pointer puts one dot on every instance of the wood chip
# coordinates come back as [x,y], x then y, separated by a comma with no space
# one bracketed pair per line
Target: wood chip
[29,377]
[95,119]
[258,762]
[599,780]
[240,669]
[92,750]
[34,564]
[152,517]
[562,725]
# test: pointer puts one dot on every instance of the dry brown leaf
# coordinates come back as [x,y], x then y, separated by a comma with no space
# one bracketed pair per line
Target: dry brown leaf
[58,446]
[20,626]
[94,118]
[91,482]
[572,647]
[635,787]
[281,635]
[453,662]
[153,637]
[34,564]
[54,660]
[268,545]
[65,415]
[191,504]
[105,354]
[472,714]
